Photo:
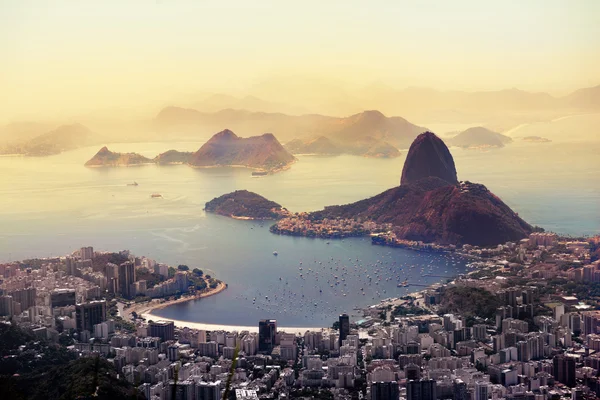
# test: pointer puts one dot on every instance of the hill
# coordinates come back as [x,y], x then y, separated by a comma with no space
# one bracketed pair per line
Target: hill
[63,138]
[107,158]
[430,205]
[227,149]
[319,145]
[244,204]
[173,157]
[479,137]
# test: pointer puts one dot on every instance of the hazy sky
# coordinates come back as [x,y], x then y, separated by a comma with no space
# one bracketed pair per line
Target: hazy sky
[66,57]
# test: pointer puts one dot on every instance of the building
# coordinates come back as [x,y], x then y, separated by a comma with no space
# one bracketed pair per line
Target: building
[344,327]
[86,253]
[26,297]
[424,389]
[6,306]
[62,297]
[384,390]
[126,280]
[481,390]
[90,314]
[208,390]
[564,369]
[460,391]
[267,331]
[162,329]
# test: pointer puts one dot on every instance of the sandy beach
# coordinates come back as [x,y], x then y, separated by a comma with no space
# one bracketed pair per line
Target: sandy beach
[143,309]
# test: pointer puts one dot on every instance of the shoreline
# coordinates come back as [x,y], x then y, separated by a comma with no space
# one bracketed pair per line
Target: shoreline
[146,308]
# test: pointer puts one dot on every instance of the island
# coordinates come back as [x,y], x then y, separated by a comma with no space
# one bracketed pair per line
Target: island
[107,158]
[262,153]
[363,146]
[479,138]
[430,208]
[173,157]
[227,149]
[536,139]
[243,204]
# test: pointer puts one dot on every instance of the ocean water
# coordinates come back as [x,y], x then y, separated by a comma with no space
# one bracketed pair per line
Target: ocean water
[54,205]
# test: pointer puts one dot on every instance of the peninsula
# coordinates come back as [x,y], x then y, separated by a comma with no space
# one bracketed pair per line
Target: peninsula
[430,206]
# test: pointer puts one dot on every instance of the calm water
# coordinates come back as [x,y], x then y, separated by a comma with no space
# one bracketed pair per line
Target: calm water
[53,205]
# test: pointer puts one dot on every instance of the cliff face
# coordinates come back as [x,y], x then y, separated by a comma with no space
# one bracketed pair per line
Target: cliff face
[226,148]
[107,158]
[428,156]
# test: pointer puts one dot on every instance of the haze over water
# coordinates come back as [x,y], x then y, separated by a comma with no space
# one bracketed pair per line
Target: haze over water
[54,205]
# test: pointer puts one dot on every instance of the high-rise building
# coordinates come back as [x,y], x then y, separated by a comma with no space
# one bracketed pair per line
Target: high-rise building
[71,265]
[344,327]
[86,253]
[126,279]
[385,391]
[26,297]
[564,369]
[6,306]
[208,390]
[424,389]
[267,331]
[162,329]
[62,297]
[90,314]
[459,389]
[112,277]
[481,390]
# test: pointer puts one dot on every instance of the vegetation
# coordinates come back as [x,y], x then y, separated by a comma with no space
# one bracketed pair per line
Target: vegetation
[469,302]
[243,203]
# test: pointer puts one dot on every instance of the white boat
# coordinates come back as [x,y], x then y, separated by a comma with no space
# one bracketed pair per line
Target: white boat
[275,253]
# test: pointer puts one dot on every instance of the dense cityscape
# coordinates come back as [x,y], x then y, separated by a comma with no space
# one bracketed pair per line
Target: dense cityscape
[521,325]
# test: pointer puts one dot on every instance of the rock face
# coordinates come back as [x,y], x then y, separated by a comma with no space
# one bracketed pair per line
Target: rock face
[244,204]
[431,206]
[428,156]
[479,137]
[226,148]
[107,158]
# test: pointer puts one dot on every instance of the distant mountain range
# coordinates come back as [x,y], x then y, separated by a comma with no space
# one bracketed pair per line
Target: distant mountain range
[63,138]
[223,149]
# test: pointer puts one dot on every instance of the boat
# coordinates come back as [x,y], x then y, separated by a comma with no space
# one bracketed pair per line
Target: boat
[403,284]
[275,253]
[133,184]
[259,173]
[155,195]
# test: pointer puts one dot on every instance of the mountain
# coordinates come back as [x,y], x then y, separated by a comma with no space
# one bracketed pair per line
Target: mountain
[318,145]
[63,138]
[226,148]
[396,131]
[173,157]
[428,156]
[107,158]
[19,132]
[586,98]
[479,137]
[244,204]
[431,206]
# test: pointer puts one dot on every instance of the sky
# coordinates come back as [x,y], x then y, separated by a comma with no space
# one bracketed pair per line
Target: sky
[67,57]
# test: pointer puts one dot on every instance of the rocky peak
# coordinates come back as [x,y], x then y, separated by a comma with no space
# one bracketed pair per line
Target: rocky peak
[428,156]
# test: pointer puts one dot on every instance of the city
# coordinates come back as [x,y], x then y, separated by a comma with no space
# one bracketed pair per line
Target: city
[520,325]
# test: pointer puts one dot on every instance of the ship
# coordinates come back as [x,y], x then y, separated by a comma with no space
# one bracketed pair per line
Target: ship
[132,184]
[155,195]
[259,173]
[403,284]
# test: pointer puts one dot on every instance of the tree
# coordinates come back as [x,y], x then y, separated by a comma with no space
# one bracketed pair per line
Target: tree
[182,267]
[197,272]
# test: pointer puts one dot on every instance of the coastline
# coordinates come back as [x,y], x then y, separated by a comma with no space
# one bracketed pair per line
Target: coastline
[143,309]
